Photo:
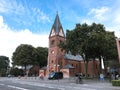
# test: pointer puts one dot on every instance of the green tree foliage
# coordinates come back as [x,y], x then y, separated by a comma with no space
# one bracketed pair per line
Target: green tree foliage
[102,43]
[23,55]
[40,56]
[91,41]
[17,72]
[4,65]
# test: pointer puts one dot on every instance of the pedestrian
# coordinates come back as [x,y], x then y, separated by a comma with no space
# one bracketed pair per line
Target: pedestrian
[112,76]
[117,76]
[80,77]
[41,76]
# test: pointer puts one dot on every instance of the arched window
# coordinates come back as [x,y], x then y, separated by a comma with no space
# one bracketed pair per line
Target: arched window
[76,65]
[52,61]
[52,42]
[72,64]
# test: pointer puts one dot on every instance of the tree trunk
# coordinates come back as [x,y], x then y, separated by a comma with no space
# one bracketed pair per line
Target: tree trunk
[100,66]
[25,68]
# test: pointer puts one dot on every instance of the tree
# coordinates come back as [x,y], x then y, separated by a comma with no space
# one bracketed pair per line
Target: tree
[77,42]
[102,44]
[26,55]
[4,65]
[23,55]
[16,72]
[91,42]
[40,56]
[111,47]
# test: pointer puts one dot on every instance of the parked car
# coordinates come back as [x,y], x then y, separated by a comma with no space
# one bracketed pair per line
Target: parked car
[55,75]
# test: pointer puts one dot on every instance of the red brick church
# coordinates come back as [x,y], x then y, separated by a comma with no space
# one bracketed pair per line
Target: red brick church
[67,63]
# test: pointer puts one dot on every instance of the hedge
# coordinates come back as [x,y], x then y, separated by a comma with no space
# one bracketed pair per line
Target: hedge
[116,82]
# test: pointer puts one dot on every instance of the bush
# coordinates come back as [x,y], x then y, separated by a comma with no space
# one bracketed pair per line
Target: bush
[116,82]
[16,72]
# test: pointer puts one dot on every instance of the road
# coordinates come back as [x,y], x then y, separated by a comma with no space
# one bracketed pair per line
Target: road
[36,84]
[16,84]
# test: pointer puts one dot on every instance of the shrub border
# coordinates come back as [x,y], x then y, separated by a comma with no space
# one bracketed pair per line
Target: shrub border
[116,82]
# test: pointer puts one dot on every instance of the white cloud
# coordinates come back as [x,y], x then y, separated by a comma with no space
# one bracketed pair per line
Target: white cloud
[116,16]
[22,12]
[88,21]
[115,29]
[108,16]
[99,13]
[40,15]
[7,6]
[10,39]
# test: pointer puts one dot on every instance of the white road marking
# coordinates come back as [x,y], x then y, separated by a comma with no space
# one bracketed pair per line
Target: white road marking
[2,84]
[42,85]
[81,88]
[46,86]
[17,87]
[85,84]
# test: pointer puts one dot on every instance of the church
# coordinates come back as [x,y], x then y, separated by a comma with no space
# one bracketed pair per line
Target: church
[59,61]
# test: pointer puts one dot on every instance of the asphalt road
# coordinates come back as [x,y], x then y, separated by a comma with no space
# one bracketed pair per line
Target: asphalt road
[14,84]
[65,84]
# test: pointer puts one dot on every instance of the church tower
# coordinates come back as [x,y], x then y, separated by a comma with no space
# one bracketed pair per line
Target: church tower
[55,54]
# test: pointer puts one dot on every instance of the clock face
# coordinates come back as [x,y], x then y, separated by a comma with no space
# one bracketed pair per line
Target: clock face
[52,52]
[53,32]
[61,33]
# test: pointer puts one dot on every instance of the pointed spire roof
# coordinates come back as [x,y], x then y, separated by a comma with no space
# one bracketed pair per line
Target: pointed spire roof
[57,25]
[57,28]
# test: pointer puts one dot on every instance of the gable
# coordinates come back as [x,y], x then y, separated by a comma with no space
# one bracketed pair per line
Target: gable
[61,33]
[52,32]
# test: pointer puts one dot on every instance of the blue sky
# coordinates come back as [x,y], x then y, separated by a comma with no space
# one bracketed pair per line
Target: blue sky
[30,21]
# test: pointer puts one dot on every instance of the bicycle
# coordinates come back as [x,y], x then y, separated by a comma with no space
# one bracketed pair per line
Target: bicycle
[79,80]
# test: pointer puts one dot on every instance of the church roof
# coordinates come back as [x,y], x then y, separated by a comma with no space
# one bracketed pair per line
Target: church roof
[73,57]
[57,25]
[57,29]
[68,66]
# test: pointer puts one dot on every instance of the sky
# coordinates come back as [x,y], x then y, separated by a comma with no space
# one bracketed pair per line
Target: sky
[30,21]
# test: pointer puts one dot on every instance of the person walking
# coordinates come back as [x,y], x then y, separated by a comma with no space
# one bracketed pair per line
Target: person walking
[41,76]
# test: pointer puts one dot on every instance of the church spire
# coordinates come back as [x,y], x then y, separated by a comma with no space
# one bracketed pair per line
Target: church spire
[57,27]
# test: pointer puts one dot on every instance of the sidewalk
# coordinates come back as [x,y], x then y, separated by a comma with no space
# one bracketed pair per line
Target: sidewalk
[65,80]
